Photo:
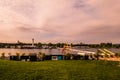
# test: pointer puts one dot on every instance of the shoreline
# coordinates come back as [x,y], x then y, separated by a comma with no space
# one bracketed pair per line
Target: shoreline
[111,59]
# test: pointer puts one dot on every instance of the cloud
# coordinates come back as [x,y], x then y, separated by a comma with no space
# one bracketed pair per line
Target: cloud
[90,21]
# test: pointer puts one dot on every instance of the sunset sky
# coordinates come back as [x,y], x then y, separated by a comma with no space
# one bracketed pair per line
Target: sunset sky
[88,21]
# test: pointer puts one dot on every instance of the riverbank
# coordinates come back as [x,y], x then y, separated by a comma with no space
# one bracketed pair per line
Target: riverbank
[59,70]
[111,59]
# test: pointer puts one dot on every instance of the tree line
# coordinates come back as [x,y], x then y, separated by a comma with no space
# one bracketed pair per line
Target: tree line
[61,45]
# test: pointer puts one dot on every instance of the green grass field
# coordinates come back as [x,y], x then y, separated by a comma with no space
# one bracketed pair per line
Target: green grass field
[59,70]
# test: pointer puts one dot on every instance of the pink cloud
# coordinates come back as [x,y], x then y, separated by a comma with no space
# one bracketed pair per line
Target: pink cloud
[90,21]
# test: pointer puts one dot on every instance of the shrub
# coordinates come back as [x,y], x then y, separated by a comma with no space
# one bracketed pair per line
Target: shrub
[17,54]
[23,54]
[41,56]
[3,55]
[117,54]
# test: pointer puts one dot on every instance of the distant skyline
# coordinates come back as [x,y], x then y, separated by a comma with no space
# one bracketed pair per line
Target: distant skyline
[87,21]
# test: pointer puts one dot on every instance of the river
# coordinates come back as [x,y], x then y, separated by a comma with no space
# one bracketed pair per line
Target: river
[27,51]
[46,51]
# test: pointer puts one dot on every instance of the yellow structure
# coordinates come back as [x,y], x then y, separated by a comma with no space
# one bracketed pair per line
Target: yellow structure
[105,53]
[67,49]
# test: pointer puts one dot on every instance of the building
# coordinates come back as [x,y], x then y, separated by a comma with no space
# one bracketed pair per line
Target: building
[57,57]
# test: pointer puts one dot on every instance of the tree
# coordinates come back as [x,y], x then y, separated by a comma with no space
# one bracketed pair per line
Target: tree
[39,45]
[50,44]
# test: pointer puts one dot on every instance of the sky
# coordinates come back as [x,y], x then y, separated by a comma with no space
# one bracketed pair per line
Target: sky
[87,21]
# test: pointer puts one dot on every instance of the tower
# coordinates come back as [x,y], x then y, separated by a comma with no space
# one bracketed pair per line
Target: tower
[33,42]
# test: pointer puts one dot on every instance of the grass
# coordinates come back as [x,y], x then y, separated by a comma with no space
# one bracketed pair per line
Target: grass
[59,70]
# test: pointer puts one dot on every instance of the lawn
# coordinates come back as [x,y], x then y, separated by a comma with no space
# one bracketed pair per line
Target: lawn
[59,70]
